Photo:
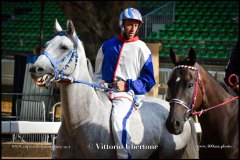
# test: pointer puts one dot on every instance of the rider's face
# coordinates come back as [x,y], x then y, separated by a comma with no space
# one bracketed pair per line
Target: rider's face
[131,27]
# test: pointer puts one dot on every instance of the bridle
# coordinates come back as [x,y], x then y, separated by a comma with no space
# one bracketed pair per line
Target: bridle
[71,55]
[60,75]
[198,82]
[190,107]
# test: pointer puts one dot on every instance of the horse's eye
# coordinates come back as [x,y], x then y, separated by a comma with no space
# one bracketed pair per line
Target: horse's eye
[190,85]
[64,47]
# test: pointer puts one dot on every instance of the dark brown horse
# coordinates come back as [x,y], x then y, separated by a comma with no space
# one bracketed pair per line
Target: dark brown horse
[193,91]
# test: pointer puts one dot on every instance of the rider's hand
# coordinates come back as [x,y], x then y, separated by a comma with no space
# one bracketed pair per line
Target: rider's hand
[120,85]
[104,84]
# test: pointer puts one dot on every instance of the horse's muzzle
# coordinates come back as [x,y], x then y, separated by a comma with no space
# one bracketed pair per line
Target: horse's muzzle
[41,76]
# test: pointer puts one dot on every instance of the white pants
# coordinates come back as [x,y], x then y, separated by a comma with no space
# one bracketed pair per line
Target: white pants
[122,108]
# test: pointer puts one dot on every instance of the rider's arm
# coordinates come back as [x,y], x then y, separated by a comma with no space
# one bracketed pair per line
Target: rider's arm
[145,81]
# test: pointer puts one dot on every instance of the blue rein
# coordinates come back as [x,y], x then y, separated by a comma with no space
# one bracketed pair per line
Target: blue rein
[72,80]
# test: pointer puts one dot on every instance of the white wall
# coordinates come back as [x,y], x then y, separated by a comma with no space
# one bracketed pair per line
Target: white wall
[7,72]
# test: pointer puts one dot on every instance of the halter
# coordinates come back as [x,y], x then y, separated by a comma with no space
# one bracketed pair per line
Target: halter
[190,106]
[72,54]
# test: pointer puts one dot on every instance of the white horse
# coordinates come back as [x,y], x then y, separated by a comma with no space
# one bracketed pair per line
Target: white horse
[85,131]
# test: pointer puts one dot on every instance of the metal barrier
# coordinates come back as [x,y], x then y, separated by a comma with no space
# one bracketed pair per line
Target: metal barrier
[29,110]
[30,88]
[56,116]
[34,104]
[157,19]
[25,107]
[9,102]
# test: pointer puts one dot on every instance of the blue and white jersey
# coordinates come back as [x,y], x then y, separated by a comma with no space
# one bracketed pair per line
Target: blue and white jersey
[128,60]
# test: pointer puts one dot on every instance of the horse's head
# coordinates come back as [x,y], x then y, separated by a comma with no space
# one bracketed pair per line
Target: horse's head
[59,57]
[182,90]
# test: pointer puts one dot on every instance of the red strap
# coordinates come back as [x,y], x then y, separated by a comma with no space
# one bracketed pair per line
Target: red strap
[230,80]
[222,104]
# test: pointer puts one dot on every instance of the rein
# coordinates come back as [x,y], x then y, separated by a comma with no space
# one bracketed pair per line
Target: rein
[191,106]
[72,80]
[199,113]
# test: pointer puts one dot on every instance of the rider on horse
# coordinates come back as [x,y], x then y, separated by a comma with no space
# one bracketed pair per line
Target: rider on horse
[125,63]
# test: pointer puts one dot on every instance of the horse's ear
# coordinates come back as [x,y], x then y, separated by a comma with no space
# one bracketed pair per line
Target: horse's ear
[174,57]
[57,27]
[71,28]
[192,56]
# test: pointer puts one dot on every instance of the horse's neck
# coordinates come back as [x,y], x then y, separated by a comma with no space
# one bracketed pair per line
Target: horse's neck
[80,102]
[215,93]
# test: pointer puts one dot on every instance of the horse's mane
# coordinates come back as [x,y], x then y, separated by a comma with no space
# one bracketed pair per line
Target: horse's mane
[90,68]
[228,89]
[220,83]
[100,94]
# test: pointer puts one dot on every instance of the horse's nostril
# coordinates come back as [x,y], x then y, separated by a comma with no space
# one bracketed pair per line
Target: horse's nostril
[177,123]
[32,70]
[36,69]
[39,69]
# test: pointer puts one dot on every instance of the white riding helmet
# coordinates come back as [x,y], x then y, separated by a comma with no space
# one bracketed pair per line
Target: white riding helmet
[129,13]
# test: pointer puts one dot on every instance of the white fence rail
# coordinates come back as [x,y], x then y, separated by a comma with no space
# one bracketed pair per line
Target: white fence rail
[27,127]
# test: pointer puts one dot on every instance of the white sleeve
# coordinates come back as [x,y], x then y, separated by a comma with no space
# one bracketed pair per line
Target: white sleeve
[98,67]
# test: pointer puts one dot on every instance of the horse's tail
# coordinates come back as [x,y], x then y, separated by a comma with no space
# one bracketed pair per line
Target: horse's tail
[192,146]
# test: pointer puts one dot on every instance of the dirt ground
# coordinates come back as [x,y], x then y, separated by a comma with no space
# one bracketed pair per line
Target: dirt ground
[22,150]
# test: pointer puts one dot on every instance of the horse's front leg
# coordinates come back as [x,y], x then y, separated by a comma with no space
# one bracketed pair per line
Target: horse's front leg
[65,147]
